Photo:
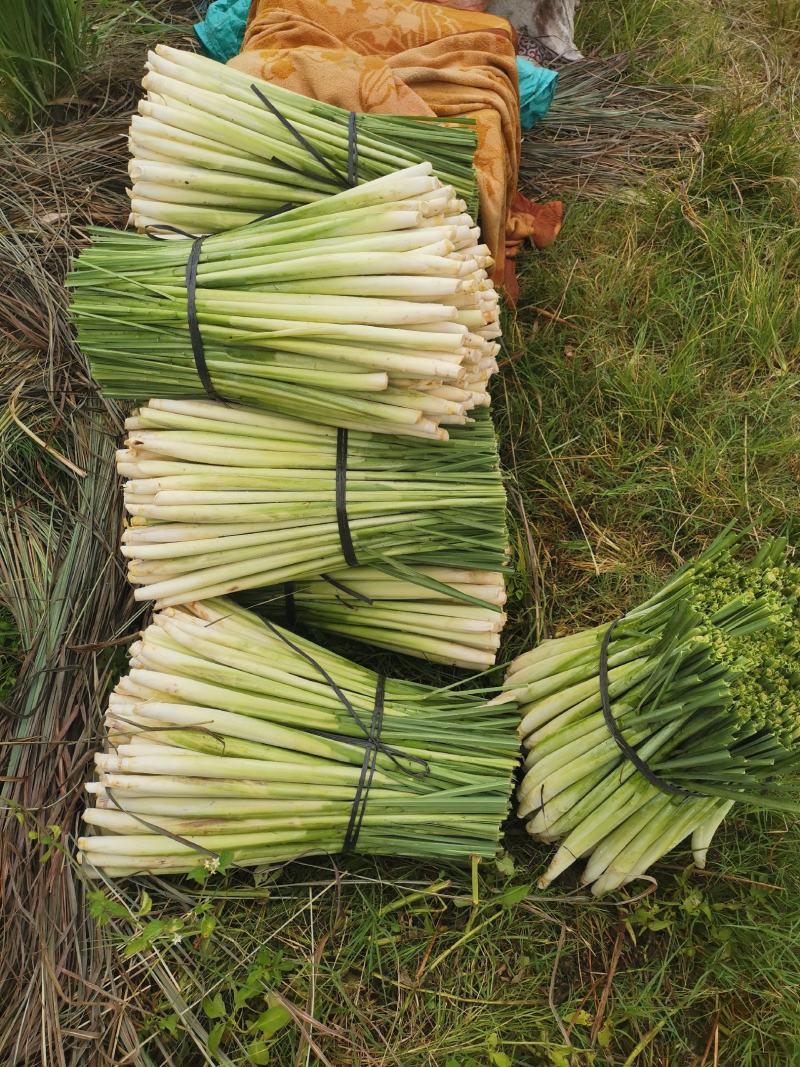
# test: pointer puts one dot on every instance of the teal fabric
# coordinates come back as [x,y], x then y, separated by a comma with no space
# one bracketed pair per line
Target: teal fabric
[537,85]
[222,30]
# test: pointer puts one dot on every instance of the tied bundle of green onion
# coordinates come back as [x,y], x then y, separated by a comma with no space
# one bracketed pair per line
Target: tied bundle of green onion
[371,310]
[392,612]
[209,154]
[227,498]
[229,736]
[702,685]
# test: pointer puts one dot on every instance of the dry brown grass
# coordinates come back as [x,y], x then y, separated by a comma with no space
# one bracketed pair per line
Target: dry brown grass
[63,997]
[608,129]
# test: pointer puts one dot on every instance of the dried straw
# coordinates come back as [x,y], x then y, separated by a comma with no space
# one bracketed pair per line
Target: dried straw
[603,131]
[65,999]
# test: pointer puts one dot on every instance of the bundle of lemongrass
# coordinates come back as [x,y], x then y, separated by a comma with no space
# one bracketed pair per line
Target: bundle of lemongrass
[224,498]
[231,736]
[371,309]
[702,685]
[393,612]
[209,154]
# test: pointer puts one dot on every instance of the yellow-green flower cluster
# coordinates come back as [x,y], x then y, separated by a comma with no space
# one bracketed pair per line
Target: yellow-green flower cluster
[762,653]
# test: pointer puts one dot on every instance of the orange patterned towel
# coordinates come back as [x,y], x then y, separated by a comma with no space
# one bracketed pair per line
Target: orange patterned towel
[405,57]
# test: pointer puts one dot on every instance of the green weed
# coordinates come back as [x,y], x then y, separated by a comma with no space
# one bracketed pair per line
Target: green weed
[43,48]
[9,653]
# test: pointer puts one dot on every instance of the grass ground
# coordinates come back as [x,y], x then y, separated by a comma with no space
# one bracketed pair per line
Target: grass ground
[652,401]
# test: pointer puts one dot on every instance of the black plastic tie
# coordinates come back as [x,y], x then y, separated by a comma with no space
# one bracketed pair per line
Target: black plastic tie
[627,750]
[346,538]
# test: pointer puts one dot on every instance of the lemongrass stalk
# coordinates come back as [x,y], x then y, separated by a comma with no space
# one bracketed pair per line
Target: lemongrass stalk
[145,845]
[421,620]
[547,741]
[120,822]
[552,647]
[167,175]
[704,832]
[215,721]
[223,788]
[264,489]
[663,833]
[155,213]
[176,151]
[577,802]
[185,195]
[198,765]
[162,807]
[122,866]
[333,309]
[201,808]
[580,699]
[408,340]
[608,830]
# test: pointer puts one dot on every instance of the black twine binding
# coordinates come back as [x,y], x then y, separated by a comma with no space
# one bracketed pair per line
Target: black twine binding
[394,754]
[342,179]
[345,536]
[198,349]
[348,180]
[372,742]
[190,280]
[159,830]
[359,807]
[271,214]
[354,593]
[641,766]
[150,231]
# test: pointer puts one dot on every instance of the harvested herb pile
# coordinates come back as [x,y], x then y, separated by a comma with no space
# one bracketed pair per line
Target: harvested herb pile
[223,499]
[211,150]
[702,685]
[232,740]
[455,618]
[371,309]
